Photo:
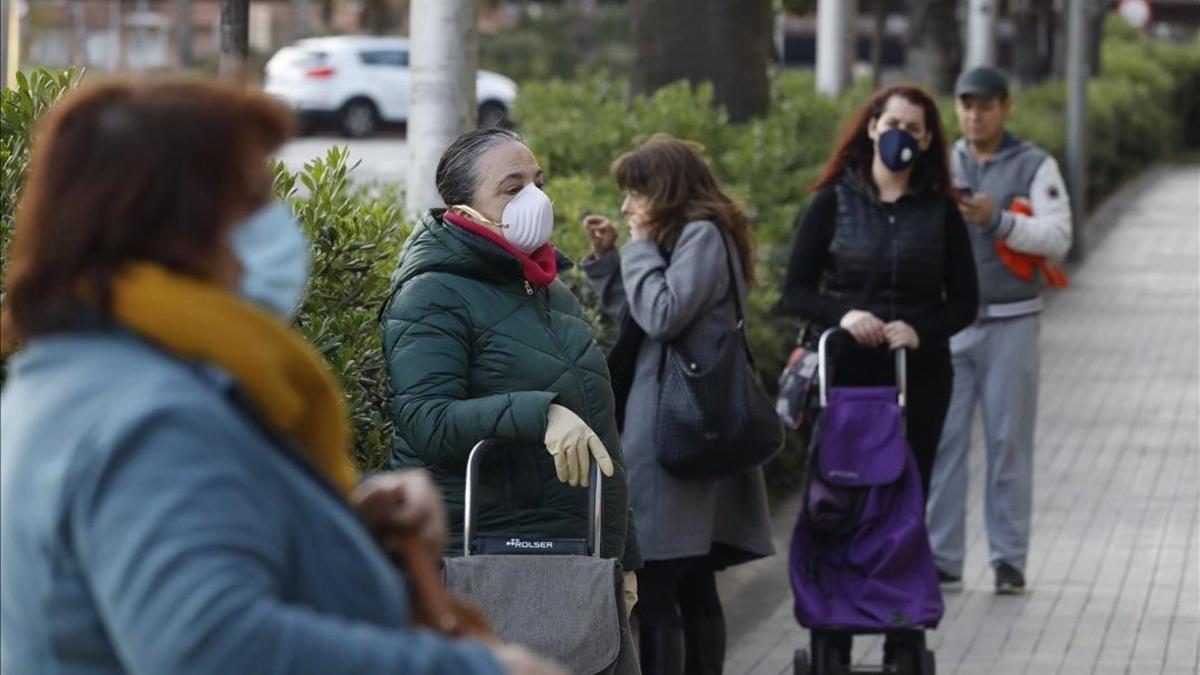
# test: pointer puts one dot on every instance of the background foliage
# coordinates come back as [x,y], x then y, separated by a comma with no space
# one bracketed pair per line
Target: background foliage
[1146,105]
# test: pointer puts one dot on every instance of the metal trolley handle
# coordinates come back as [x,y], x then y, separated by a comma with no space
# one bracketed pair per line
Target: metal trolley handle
[901,368]
[475,459]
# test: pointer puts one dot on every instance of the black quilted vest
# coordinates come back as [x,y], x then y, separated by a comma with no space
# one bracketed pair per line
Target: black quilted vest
[901,245]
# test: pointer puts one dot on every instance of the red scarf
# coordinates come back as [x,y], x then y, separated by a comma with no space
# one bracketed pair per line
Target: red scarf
[540,267]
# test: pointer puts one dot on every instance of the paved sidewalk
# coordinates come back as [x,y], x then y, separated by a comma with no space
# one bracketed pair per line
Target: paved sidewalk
[1114,570]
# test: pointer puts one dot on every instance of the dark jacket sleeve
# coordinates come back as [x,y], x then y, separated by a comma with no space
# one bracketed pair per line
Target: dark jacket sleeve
[427,344]
[809,260]
[961,286]
[604,275]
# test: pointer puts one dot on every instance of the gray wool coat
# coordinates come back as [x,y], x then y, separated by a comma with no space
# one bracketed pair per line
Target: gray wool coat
[688,300]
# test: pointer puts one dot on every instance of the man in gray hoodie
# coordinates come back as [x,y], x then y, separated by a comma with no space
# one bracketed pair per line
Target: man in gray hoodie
[1013,198]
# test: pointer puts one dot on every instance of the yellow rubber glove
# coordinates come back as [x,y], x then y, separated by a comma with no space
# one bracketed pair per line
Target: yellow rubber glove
[631,592]
[570,441]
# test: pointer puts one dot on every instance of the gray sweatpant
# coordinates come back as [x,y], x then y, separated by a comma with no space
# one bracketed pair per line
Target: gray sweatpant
[995,364]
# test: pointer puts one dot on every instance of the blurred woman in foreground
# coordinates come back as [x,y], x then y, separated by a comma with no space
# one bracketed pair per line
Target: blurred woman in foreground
[177,493]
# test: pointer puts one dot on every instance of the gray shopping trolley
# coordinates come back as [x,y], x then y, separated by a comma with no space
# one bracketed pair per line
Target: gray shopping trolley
[558,597]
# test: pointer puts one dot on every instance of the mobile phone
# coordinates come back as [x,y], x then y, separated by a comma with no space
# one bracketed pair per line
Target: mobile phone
[963,191]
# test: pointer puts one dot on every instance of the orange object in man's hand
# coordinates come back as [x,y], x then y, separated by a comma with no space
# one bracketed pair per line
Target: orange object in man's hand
[1023,264]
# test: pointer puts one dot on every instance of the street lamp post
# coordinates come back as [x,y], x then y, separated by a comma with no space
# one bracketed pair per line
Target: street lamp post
[1077,75]
[10,17]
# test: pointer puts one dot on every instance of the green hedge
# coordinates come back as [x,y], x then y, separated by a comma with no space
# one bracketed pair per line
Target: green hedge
[1144,106]
[577,127]
[357,233]
[20,109]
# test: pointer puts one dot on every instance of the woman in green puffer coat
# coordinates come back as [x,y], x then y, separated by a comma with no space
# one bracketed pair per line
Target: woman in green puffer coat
[483,341]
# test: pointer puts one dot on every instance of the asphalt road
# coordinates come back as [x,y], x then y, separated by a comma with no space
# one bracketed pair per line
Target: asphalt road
[383,159]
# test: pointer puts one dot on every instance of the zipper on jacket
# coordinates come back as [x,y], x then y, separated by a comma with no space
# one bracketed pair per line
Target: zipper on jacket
[528,289]
[562,348]
[895,260]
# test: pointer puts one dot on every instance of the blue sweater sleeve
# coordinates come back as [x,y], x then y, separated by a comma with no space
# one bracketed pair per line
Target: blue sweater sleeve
[189,576]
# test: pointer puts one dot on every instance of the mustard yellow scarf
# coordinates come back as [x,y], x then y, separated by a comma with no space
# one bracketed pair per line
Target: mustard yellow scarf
[292,389]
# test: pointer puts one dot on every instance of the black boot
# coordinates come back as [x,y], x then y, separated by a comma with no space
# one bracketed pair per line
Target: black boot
[704,644]
[662,650]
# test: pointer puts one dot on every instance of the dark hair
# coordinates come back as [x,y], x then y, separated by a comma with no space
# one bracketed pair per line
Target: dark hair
[457,173]
[672,174]
[120,172]
[855,150]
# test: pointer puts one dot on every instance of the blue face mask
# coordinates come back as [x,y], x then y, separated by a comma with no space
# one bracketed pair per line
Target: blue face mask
[274,256]
[898,149]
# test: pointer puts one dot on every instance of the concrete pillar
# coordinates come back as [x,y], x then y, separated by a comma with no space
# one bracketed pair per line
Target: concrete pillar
[300,23]
[443,59]
[835,46]
[981,33]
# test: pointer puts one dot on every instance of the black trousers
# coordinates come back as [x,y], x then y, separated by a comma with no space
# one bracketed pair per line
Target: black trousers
[669,590]
[930,376]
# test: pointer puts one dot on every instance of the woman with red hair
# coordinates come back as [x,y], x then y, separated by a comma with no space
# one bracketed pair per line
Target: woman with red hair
[883,253]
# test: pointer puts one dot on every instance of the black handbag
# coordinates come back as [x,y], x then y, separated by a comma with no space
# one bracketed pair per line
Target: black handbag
[715,421]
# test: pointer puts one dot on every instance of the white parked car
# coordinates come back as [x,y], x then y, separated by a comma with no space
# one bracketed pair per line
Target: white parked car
[357,82]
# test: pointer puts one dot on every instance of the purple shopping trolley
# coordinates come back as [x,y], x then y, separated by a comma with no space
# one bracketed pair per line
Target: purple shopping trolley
[860,561]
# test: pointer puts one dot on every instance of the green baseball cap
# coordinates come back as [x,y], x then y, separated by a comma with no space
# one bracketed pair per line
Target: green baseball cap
[982,81]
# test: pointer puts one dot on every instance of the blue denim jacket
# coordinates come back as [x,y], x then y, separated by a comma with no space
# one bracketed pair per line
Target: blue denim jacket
[148,525]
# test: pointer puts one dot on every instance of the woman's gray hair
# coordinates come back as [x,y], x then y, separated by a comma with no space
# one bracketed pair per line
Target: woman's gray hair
[457,173]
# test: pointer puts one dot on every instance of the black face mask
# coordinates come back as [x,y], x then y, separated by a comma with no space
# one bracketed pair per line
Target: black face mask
[898,149]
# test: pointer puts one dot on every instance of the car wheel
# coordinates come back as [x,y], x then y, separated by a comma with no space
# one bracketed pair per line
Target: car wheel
[493,114]
[359,118]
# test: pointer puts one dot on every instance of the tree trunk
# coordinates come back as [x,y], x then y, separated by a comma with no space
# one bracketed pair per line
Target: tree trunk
[235,39]
[878,33]
[935,50]
[726,42]
[1033,40]
[443,58]
[378,17]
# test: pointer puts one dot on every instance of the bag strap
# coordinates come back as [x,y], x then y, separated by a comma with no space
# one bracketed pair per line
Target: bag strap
[735,282]
[735,287]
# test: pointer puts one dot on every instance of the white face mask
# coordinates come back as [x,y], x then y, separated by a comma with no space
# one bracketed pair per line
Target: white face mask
[273,252]
[528,219]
